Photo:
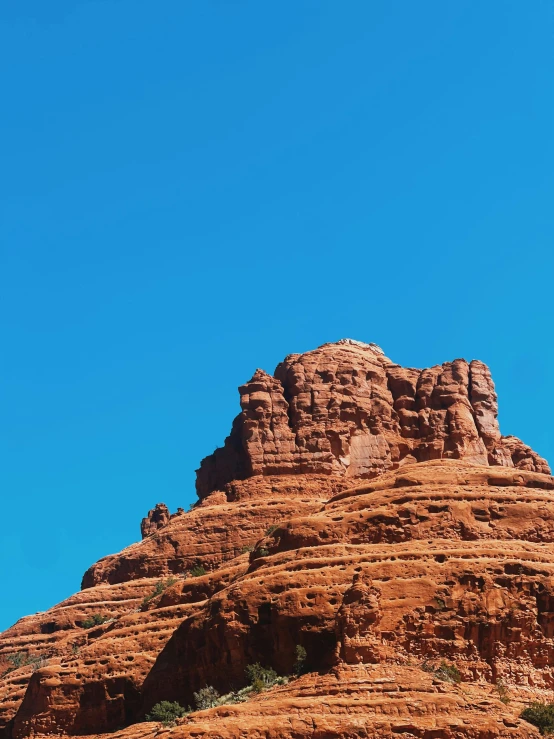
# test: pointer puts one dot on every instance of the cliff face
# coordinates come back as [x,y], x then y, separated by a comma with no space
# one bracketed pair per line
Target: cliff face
[370,513]
[346,410]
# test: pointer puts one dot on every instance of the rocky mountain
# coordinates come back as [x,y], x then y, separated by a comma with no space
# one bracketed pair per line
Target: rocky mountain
[365,532]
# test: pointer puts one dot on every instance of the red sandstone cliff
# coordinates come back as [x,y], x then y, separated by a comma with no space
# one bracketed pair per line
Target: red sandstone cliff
[346,410]
[372,514]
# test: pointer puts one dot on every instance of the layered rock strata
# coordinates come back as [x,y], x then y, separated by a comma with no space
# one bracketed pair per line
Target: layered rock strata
[375,517]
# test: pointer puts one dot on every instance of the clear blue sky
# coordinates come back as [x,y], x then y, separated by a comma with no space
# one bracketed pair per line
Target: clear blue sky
[191,190]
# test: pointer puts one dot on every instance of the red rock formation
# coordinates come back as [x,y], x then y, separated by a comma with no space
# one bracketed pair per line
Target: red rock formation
[157,518]
[346,410]
[445,555]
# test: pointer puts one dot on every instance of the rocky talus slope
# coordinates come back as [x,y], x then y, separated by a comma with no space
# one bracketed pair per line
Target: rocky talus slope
[370,513]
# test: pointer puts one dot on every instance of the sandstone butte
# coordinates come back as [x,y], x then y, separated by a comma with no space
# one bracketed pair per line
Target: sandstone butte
[373,514]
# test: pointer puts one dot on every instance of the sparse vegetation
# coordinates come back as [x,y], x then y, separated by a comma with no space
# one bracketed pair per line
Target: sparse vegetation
[95,620]
[540,715]
[502,691]
[440,604]
[271,529]
[247,549]
[166,712]
[22,659]
[261,678]
[206,698]
[37,662]
[19,659]
[447,673]
[197,571]
[301,655]
[262,552]
[161,585]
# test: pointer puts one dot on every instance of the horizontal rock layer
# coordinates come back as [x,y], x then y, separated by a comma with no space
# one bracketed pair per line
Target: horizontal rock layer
[442,560]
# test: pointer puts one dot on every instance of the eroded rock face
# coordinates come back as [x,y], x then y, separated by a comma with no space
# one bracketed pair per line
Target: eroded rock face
[372,514]
[346,410]
[158,517]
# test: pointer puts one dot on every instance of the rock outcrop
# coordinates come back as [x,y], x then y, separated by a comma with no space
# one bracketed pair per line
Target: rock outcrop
[373,515]
[346,410]
[156,519]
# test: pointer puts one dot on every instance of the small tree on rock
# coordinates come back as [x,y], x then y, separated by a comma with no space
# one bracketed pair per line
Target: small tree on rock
[299,666]
[166,712]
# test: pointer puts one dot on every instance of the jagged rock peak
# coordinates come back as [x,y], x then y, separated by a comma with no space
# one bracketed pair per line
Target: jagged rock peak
[345,409]
[155,519]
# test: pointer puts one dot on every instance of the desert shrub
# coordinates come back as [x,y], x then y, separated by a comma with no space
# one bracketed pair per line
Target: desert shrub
[37,662]
[206,698]
[22,659]
[95,620]
[448,673]
[503,693]
[197,571]
[262,552]
[299,665]
[236,696]
[540,715]
[271,529]
[247,549]
[161,585]
[166,712]
[19,659]
[260,677]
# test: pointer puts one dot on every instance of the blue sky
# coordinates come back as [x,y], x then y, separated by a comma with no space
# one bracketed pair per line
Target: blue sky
[192,190]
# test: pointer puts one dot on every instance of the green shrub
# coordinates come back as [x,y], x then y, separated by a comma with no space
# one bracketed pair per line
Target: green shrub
[503,693]
[247,549]
[95,620]
[271,529]
[262,552]
[22,659]
[166,712]
[540,715]
[206,698]
[448,673]
[300,662]
[197,571]
[260,677]
[161,585]
[19,659]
